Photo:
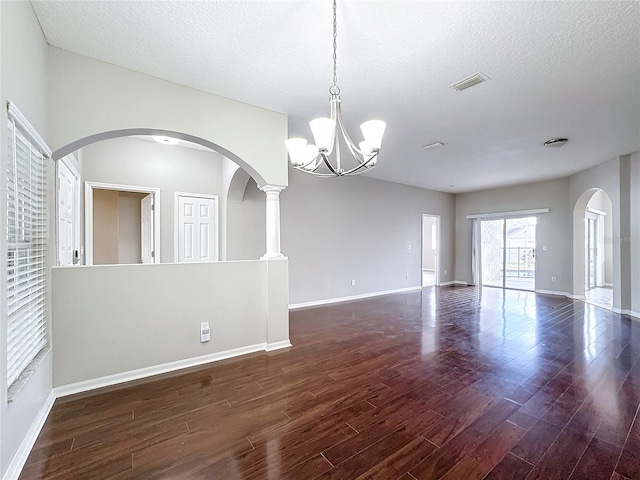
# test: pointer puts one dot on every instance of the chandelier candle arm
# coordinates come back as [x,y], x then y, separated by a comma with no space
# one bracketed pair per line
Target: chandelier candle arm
[315,159]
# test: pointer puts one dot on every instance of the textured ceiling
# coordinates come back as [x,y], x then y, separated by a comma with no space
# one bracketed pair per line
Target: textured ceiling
[557,68]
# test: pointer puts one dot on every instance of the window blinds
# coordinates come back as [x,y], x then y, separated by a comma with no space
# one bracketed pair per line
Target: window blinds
[27,246]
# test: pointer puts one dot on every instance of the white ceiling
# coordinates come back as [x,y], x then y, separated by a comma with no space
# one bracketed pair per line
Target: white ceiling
[557,68]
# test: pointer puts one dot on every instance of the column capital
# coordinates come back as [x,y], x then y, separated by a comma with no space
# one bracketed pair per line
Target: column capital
[269,188]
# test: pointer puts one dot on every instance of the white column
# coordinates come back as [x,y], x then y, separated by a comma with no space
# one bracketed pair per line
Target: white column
[273,221]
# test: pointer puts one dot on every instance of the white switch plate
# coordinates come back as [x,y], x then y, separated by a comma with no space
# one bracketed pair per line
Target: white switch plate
[205,332]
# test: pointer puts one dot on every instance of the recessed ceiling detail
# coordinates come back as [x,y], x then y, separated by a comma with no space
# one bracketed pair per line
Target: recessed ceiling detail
[556,142]
[470,81]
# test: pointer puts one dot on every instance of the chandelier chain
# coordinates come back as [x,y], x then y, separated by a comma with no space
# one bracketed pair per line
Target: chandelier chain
[335,90]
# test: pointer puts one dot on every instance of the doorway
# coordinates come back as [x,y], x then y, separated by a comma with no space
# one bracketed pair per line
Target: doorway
[430,249]
[68,215]
[122,224]
[598,253]
[508,253]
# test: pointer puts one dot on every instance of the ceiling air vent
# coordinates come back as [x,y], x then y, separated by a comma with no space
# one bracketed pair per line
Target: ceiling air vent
[434,145]
[470,81]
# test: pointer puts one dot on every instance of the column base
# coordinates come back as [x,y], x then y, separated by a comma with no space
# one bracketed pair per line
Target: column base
[272,256]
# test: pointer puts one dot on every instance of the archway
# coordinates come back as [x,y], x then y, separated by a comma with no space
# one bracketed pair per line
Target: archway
[83,142]
[592,248]
[233,176]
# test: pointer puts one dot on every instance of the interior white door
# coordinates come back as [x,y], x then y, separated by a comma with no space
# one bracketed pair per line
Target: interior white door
[68,215]
[147,229]
[197,229]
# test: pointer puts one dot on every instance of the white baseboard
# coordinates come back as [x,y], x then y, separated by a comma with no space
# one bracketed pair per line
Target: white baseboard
[20,458]
[459,282]
[556,292]
[278,345]
[631,313]
[123,377]
[328,301]
[608,284]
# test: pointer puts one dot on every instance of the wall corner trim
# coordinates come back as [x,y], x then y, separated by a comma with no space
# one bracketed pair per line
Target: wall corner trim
[316,303]
[20,458]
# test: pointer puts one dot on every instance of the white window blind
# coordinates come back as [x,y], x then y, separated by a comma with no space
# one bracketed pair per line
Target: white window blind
[27,246]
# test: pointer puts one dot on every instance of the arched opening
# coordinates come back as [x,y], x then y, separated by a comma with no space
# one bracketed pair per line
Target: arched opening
[593,277]
[78,144]
[120,161]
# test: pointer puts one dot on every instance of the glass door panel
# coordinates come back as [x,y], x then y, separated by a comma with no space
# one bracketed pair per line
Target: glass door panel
[520,255]
[492,248]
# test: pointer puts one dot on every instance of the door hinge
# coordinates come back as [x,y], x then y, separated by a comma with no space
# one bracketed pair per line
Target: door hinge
[153,254]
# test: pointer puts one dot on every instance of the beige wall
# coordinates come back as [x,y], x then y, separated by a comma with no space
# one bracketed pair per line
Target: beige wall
[105,227]
[130,227]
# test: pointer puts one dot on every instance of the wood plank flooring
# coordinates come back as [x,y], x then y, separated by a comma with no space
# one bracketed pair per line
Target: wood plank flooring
[452,383]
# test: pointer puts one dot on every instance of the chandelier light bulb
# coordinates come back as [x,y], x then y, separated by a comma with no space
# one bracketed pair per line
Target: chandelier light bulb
[373,130]
[323,130]
[297,150]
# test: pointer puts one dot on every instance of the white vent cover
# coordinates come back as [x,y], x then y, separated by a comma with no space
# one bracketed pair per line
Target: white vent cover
[470,81]
[434,145]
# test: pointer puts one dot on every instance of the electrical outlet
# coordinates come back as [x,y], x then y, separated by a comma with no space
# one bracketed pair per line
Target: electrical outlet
[553,279]
[544,248]
[353,283]
[445,273]
[408,247]
[205,332]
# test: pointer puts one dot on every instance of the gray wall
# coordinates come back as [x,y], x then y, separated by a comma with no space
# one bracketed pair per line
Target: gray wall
[246,225]
[358,228]
[131,161]
[553,229]
[24,65]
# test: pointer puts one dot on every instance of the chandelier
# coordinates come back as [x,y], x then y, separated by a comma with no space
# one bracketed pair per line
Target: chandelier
[316,159]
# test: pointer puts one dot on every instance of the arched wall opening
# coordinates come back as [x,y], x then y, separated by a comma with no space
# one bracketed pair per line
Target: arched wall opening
[132,163]
[83,142]
[580,254]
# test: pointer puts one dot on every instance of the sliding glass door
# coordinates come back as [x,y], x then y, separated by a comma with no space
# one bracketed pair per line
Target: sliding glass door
[509,253]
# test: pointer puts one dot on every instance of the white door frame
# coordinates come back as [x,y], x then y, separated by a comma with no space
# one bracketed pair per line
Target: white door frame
[88,214]
[437,267]
[176,222]
[76,207]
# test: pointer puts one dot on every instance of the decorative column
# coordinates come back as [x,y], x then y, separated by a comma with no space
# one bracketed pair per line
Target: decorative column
[273,221]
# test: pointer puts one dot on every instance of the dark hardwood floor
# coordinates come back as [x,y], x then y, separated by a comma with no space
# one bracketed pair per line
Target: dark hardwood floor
[454,383]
